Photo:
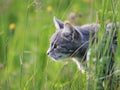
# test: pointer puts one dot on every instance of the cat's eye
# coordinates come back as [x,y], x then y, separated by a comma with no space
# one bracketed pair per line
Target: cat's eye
[56,46]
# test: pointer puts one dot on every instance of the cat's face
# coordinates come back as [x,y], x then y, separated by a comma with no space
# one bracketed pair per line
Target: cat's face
[64,41]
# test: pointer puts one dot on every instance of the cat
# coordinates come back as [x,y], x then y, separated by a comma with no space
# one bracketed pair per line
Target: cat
[73,42]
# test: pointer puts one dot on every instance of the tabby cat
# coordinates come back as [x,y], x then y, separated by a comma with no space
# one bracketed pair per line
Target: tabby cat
[73,42]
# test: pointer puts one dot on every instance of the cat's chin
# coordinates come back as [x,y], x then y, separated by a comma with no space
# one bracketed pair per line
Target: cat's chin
[56,58]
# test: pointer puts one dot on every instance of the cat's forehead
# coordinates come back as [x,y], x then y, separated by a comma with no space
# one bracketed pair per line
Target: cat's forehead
[55,36]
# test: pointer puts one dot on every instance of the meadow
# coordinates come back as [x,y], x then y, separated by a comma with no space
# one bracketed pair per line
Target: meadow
[25,29]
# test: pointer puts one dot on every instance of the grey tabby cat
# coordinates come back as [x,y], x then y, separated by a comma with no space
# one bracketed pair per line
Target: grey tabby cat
[72,41]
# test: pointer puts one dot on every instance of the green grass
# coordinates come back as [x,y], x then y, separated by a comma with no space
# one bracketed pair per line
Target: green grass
[24,64]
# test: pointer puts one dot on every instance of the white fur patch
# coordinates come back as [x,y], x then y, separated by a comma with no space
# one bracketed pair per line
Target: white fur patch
[80,66]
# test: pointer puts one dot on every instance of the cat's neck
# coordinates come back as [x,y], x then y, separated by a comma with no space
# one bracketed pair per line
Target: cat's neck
[82,51]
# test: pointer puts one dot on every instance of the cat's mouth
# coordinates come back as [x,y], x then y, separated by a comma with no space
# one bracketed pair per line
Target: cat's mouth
[57,57]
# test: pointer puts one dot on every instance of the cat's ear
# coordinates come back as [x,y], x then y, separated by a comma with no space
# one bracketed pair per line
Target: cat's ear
[70,32]
[58,23]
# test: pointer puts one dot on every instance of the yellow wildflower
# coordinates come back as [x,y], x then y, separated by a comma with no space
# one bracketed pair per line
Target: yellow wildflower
[49,9]
[12,26]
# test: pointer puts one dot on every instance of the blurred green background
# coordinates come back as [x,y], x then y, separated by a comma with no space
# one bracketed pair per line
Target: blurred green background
[25,29]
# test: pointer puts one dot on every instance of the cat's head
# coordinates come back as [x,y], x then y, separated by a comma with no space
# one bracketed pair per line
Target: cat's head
[64,41]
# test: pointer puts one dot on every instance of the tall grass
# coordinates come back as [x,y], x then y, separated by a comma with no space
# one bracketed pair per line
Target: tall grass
[25,29]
